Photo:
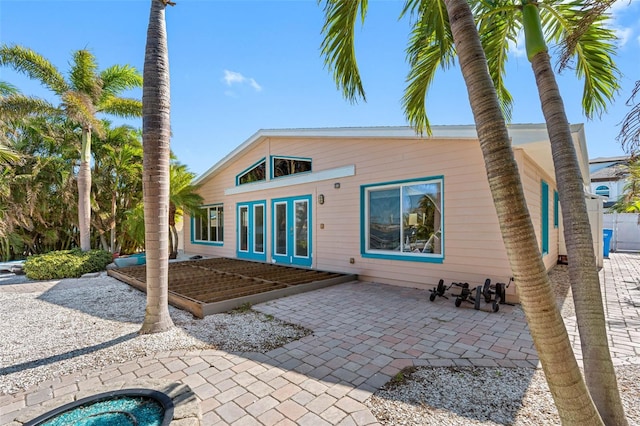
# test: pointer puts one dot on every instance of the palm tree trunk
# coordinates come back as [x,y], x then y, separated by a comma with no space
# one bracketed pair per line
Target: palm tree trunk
[155,182]
[583,271]
[112,223]
[84,191]
[545,323]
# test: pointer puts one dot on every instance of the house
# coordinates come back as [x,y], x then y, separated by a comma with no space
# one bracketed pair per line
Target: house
[608,177]
[380,202]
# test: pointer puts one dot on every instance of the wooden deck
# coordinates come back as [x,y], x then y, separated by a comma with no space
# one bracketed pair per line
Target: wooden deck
[209,286]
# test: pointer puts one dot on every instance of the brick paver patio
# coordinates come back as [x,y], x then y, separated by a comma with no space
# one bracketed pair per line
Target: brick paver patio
[363,334]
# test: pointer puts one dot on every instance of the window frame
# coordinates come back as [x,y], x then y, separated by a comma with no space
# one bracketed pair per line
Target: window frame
[249,169]
[208,207]
[601,188]
[399,255]
[272,165]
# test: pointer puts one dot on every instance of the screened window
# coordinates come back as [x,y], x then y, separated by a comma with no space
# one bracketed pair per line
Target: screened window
[209,225]
[256,173]
[404,219]
[603,190]
[283,166]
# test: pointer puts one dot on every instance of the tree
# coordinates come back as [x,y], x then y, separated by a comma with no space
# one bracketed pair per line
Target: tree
[183,198]
[82,96]
[156,135]
[117,169]
[629,201]
[593,51]
[452,25]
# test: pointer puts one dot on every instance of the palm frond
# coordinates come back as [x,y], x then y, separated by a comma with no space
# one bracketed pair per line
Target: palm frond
[83,75]
[30,63]
[81,110]
[119,78]
[18,106]
[122,107]
[338,45]
[629,136]
[593,51]
[7,89]
[430,47]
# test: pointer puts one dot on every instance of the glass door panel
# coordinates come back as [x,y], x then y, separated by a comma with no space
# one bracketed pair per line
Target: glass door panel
[302,228]
[244,229]
[280,229]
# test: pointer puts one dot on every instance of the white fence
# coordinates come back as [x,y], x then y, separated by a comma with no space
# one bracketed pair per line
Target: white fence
[626,230]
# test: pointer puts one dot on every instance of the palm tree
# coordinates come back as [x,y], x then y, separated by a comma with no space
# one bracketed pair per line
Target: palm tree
[593,51]
[156,134]
[629,201]
[183,198]
[6,154]
[117,168]
[547,328]
[84,95]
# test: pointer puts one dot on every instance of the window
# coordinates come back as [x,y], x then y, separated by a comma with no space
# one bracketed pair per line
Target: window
[603,190]
[403,220]
[285,166]
[209,226]
[255,173]
[544,189]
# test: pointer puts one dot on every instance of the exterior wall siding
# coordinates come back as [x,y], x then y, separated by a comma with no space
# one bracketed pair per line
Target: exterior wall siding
[473,247]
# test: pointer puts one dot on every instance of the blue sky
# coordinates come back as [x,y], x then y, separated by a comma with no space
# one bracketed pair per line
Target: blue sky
[240,66]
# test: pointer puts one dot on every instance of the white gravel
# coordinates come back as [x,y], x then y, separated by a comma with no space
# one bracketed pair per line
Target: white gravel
[94,322]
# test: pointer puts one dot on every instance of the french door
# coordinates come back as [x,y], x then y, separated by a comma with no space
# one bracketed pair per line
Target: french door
[251,219]
[291,230]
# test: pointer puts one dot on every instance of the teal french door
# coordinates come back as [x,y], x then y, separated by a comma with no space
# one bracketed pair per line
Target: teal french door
[251,221]
[291,231]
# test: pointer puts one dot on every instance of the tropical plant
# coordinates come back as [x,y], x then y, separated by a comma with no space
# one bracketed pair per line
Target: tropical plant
[183,198]
[86,93]
[499,23]
[629,201]
[438,28]
[156,134]
[117,170]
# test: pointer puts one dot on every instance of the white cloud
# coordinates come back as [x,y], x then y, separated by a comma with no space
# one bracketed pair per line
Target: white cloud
[518,48]
[232,77]
[623,34]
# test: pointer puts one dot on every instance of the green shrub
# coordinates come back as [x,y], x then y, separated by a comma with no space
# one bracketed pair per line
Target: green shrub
[66,264]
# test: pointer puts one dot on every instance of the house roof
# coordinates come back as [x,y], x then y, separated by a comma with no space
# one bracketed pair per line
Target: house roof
[614,172]
[533,138]
[621,159]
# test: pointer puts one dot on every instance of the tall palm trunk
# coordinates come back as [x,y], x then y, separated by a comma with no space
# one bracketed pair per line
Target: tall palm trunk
[583,271]
[545,323]
[155,181]
[84,190]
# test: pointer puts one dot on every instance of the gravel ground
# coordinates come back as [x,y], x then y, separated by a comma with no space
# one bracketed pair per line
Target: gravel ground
[70,327]
[95,323]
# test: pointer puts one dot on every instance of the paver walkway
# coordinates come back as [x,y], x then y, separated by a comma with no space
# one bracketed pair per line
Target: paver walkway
[363,335]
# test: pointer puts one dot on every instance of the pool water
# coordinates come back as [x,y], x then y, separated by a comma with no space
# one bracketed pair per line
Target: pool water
[116,411]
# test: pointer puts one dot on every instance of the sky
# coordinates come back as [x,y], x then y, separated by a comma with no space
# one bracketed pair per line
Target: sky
[240,66]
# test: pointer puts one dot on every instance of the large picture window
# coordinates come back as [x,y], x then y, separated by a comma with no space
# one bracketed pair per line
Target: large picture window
[404,220]
[209,226]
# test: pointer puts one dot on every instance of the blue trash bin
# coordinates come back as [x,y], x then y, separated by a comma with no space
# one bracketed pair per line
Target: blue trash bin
[606,234]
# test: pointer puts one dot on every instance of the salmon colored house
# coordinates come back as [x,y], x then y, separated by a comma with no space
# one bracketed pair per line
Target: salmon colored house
[382,203]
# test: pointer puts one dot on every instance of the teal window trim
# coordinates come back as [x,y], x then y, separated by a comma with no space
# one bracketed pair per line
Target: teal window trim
[544,216]
[603,190]
[289,202]
[250,253]
[248,169]
[364,209]
[193,227]
[556,211]
[272,167]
